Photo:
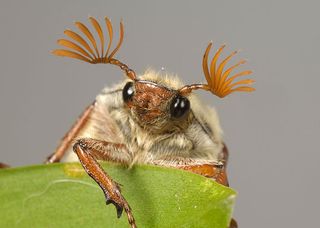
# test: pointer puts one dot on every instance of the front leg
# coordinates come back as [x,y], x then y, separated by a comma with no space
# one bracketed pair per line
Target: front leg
[67,140]
[210,169]
[88,150]
[3,165]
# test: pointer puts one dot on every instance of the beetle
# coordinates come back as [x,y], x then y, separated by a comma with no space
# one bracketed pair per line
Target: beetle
[149,118]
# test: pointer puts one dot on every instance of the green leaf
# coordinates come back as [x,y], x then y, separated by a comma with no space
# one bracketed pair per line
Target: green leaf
[62,195]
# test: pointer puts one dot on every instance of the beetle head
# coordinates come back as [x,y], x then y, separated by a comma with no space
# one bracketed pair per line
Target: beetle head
[155,106]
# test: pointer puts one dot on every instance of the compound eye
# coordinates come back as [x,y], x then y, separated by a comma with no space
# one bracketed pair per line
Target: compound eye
[128,92]
[180,106]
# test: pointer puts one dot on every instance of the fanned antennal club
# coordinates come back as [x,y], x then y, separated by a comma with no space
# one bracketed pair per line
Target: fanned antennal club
[90,51]
[219,82]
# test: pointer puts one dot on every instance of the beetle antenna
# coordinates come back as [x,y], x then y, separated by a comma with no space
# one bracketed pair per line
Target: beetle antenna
[81,49]
[218,82]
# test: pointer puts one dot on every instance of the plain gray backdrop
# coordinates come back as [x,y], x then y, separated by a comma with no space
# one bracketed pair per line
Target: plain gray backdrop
[272,134]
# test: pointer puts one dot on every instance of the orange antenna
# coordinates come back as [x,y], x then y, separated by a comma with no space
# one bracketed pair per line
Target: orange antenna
[218,81]
[90,52]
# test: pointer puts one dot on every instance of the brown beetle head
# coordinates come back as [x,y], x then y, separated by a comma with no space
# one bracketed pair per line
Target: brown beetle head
[156,107]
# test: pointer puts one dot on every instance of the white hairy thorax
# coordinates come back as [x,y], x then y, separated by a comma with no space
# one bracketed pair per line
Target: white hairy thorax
[201,140]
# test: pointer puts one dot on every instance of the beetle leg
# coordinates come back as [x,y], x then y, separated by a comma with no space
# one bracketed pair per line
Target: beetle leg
[224,156]
[107,151]
[3,165]
[87,151]
[215,171]
[210,169]
[233,223]
[70,135]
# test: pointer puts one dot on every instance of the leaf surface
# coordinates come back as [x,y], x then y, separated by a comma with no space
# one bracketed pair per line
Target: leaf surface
[62,195]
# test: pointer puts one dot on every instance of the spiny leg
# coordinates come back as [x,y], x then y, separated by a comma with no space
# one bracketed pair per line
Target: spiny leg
[86,150]
[107,151]
[3,165]
[210,169]
[233,223]
[216,172]
[225,158]
[70,135]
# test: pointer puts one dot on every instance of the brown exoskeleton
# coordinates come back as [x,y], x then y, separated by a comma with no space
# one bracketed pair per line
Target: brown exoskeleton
[148,119]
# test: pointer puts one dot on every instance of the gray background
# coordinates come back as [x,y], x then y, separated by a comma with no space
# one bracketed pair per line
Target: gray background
[272,134]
